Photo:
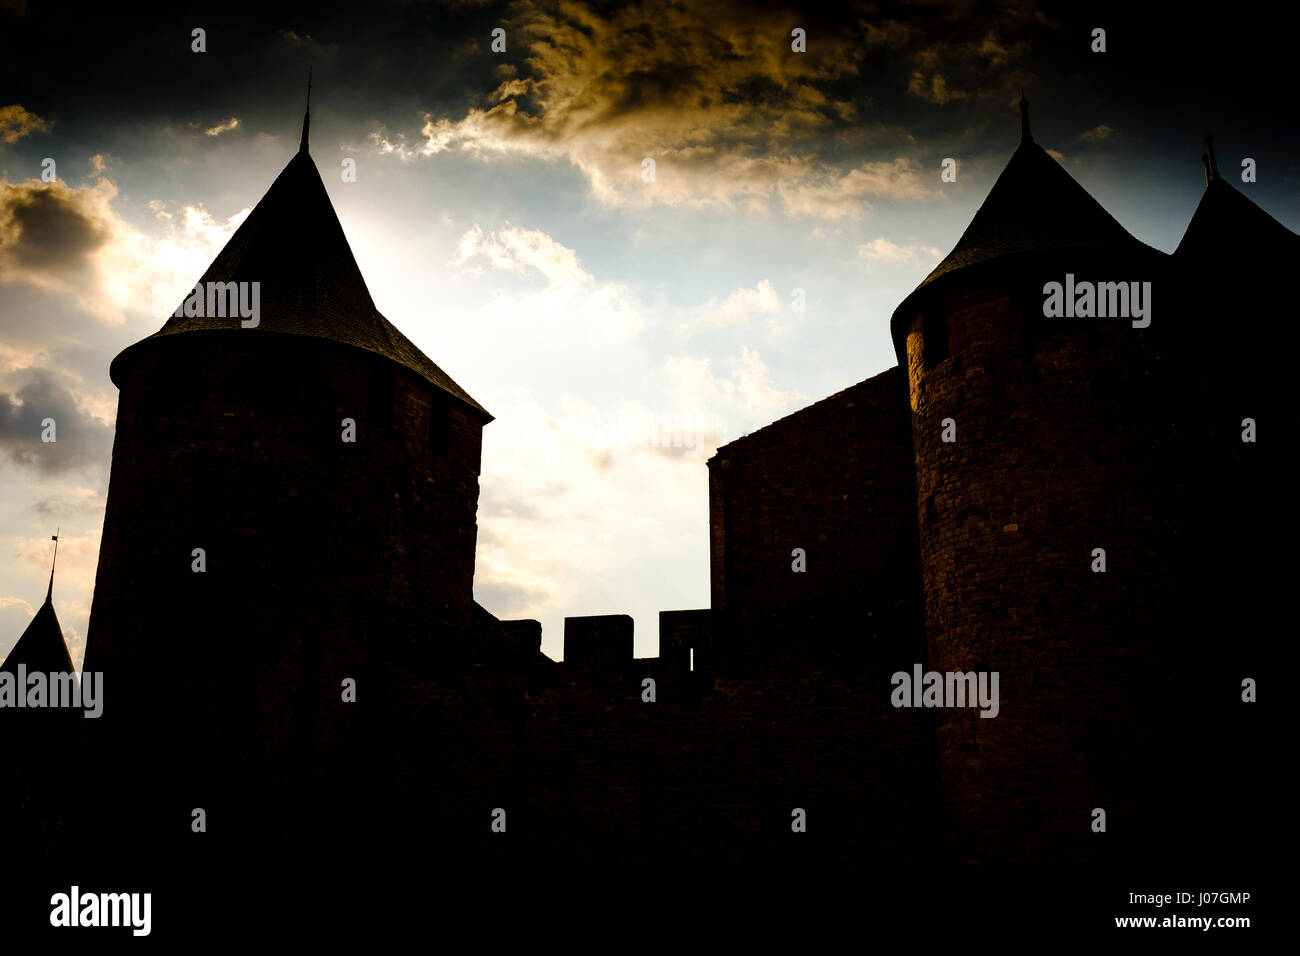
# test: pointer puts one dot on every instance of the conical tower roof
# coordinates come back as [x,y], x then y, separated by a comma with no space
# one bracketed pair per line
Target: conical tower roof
[293,245]
[1034,207]
[41,647]
[1227,227]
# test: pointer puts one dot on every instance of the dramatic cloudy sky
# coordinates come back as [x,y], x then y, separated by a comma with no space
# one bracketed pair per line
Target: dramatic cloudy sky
[502,221]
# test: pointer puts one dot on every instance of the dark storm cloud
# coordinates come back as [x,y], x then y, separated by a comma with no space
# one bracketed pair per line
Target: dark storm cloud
[379,60]
[81,440]
[60,252]
[713,89]
[942,71]
[716,96]
[46,228]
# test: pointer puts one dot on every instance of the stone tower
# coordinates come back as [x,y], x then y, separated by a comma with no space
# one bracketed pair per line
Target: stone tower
[252,558]
[1061,447]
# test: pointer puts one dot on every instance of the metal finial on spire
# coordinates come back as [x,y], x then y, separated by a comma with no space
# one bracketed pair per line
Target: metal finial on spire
[1024,117]
[1205,162]
[1214,163]
[306,119]
[49,594]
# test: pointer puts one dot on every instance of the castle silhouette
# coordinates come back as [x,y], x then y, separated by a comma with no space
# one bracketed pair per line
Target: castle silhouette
[945,513]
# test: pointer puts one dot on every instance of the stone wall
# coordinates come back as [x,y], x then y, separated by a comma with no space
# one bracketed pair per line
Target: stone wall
[834,479]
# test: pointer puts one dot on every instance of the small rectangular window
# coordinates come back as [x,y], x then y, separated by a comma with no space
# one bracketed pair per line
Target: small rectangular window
[382,394]
[934,335]
[439,413]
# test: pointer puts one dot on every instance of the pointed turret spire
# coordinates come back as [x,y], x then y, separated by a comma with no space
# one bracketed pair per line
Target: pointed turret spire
[1035,205]
[49,594]
[292,249]
[42,647]
[306,118]
[1212,166]
[1034,208]
[1231,231]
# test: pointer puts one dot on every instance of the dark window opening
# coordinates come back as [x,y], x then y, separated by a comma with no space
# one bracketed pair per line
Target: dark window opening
[438,427]
[382,388]
[934,335]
